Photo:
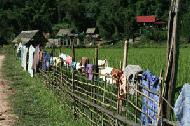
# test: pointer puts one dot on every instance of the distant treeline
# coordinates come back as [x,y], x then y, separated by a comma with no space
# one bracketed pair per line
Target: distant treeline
[113,18]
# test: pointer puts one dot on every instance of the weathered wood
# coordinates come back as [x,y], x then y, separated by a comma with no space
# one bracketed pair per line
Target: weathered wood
[125,54]
[170,75]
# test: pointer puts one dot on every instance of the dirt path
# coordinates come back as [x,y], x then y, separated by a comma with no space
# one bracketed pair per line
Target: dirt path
[6,116]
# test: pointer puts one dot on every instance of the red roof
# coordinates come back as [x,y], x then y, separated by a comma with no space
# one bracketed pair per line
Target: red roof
[146,19]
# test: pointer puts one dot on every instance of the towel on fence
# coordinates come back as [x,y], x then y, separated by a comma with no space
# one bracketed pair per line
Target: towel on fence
[130,72]
[30,60]
[46,61]
[24,57]
[36,58]
[19,50]
[63,56]
[149,107]
[89,70]
[102,63]
[69,60]
[73,66]
[182,106]
[55,61]
[78,66]
[106,75]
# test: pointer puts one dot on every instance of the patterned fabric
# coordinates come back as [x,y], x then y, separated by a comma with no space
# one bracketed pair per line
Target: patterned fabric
[182,106]
[46,61]
[89,70]
[149,81]
[36,58]
[30,60]
[73,66]
[130,73]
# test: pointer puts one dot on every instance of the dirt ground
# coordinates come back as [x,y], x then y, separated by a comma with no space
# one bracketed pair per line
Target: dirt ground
[7,118]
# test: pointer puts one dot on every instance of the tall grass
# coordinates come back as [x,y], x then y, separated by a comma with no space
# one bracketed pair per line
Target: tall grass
[34,104]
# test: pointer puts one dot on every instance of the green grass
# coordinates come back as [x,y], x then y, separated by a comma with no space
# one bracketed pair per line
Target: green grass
[34,104]
[148,58]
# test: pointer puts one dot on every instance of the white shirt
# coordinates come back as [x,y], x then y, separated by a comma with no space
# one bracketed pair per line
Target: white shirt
[30,60]
[25,50]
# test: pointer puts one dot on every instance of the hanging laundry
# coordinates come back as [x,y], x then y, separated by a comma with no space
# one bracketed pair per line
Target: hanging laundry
[117,74]
[89,70]
[30,60]
[73,66]
[68,60]
[55,61]
[51,61]
[105,74]
[151,82]
[182,106]
[24,57]
[21,56]
[63,56]
[46,61]
[84,61]
[18,51]
[36,58]
[102,63]
[131,72]
[78,66]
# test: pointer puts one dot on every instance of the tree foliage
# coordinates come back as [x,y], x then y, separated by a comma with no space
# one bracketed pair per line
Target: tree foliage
[113,18]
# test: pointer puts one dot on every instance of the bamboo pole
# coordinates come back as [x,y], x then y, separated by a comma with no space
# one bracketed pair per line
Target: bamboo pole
[125,55]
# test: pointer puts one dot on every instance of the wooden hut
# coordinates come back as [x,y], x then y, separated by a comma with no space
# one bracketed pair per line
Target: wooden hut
[67,36]
[53,43]
[32,37]
[92,36]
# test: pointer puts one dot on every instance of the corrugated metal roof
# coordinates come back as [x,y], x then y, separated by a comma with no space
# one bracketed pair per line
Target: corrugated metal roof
[146,19]
[25,36]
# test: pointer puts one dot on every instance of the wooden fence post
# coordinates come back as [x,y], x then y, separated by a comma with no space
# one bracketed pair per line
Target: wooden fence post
[73,80]
[172,55]
[125,56]
[119,101]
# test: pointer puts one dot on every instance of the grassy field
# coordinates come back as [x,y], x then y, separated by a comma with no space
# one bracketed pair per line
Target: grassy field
[152,59]
[33,102]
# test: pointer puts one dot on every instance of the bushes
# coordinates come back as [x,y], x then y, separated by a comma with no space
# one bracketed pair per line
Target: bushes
[157,35]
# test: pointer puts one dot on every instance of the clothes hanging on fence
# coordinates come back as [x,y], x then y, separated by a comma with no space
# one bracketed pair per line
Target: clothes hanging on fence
[151,82]
[55,61]
[89,70]
[63,56]
[30,60]
[51,61]
[102,63]
[84,61]
[182,106]
[69,60]
[36,58]
[106,75]
[24,57]
[130,72]
[78,66]
[21,56]
[73,66]
[46,61]
[18,51]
